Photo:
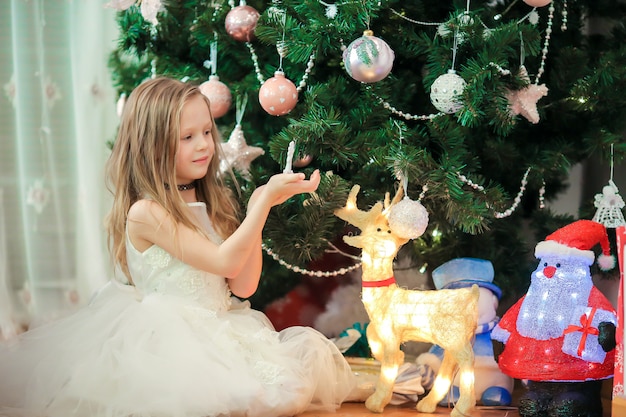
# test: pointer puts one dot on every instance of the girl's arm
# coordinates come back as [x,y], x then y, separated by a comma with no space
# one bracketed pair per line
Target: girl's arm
[248,279]
[149,223]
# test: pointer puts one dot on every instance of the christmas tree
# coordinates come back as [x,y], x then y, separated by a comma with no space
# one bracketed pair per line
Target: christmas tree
[478,109]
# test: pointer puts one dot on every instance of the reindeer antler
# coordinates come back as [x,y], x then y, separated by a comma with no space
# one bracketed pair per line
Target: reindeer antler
[351,213]
[396,198]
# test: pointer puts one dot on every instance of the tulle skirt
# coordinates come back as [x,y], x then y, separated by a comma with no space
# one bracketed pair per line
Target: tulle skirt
[159,356]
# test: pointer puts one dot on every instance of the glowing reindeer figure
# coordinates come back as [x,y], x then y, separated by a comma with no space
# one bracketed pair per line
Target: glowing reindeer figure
[444,317]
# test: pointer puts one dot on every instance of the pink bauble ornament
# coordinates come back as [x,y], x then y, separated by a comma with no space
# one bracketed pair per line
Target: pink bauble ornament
[537,3]
[241,22]
[303,161]
[445,92]
[278,95]
[218,94]
[368,59]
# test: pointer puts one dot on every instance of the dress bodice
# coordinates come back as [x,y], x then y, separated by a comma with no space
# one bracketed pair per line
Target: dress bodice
[156,271]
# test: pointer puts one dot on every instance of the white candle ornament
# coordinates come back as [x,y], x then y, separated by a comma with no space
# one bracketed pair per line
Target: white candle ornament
[290,151]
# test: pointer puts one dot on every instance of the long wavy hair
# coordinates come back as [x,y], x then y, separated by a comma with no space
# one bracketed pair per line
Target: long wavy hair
[143,161]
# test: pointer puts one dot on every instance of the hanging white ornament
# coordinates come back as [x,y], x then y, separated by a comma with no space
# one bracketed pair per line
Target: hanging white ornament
[445,92]
[609,205]
[368,59]
[408,218]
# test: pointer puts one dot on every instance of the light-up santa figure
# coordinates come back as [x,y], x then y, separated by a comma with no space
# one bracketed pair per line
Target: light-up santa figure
[559,337]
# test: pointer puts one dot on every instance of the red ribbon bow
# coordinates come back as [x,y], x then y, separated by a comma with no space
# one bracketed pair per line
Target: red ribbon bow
[586,328]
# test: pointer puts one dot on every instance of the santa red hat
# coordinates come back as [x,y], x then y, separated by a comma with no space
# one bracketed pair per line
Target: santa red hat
[577,239]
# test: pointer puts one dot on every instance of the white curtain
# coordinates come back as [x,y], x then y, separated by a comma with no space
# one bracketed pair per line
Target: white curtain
[57,112]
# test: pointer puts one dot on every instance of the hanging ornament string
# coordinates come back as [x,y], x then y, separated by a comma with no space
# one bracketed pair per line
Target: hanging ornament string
[280,46]
[564,16]
[213,55]
[242,102]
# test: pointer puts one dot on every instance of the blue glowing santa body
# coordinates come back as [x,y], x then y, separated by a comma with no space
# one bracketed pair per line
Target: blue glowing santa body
[559,337]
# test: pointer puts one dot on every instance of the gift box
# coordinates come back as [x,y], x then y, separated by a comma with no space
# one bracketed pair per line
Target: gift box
[581,336]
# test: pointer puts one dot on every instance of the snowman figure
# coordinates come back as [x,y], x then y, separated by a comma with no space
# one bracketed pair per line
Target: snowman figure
[559,338]
[492,387]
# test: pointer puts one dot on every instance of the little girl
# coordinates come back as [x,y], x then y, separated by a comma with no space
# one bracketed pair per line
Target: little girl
[175,343]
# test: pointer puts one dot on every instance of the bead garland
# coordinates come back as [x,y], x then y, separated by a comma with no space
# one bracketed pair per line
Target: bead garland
[397,112]
[408,116]
[546,43]
[304,271]
[255,61]
[414,21]
[518,197]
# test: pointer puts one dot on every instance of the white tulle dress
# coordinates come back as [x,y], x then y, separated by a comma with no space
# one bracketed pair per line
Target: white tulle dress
[175,345]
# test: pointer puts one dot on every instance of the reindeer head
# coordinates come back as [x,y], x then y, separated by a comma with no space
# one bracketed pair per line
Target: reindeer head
[376,235]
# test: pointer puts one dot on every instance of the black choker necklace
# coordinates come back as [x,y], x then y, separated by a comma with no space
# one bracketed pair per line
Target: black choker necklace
[183,187]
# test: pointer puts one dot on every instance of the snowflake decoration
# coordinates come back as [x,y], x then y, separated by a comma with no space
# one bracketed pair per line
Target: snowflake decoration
[38,196]
[10,90]
[51,92]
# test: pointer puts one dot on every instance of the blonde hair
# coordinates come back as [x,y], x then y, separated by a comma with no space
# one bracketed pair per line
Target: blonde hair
[143,161]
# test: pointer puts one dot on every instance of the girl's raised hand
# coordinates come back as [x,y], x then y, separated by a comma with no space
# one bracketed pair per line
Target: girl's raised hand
[281,187]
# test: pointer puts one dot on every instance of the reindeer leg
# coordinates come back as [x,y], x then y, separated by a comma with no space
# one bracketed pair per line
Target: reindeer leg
[467,398]
[390,357]
[441,385]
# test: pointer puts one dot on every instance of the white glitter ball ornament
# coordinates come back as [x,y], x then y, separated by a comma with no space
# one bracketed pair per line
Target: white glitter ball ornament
[368,59]
[445,92]
[408,219]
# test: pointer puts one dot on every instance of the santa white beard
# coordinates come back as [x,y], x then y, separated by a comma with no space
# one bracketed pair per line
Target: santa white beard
[549,303]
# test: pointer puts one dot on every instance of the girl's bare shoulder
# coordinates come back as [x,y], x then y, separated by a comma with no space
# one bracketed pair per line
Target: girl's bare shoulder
[146,211]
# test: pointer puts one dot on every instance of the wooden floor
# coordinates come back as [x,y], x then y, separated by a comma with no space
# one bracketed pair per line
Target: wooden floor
[370,366]
[408,410]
